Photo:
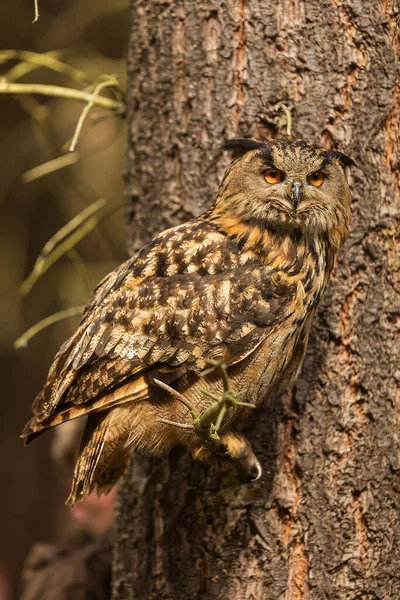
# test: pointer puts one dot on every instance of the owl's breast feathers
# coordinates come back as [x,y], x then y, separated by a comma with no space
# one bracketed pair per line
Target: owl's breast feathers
[197,292]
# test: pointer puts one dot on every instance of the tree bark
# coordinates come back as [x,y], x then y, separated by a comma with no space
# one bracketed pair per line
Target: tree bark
[324,521]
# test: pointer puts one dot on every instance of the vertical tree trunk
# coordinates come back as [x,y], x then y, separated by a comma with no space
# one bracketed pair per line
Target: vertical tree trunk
[324,521]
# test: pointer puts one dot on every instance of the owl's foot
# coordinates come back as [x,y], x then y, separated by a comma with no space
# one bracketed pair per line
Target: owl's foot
[236,450]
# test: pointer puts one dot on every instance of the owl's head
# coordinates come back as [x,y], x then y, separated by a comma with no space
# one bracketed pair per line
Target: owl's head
[287,184]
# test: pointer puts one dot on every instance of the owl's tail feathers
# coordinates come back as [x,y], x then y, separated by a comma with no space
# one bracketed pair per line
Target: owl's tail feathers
[132,391]
[104,454]
[34,428]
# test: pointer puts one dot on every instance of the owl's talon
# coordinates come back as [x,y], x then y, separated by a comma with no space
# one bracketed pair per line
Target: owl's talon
[233,449]
[249,468]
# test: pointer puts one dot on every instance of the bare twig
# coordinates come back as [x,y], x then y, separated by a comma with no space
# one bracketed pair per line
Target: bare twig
[66,238]
[23,340]
[177,395]
[56,91]
[111,82]
[50,166]
[175,424]
[37,15]
[33,60]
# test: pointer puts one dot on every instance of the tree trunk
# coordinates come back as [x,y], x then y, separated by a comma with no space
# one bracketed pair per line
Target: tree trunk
[324,520]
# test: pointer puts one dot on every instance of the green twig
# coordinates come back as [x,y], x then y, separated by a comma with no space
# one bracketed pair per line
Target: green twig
[57,91]
[207,424]
[50,166]
[23,340]
[66,238]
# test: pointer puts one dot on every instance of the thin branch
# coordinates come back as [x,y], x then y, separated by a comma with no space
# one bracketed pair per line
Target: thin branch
[33,60]
[56,91]
[66,238]
[175,424]
[37,15]
[177,395]
[103,84]
[50,166]
[23,340]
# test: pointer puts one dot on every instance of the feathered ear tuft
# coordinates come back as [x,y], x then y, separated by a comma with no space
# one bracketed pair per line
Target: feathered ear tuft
[344,160]
[242,145]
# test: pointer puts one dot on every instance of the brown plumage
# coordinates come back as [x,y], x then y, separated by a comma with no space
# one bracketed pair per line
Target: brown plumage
[239,284]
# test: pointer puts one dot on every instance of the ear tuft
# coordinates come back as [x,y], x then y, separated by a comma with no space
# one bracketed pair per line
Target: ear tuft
[243,145]
[344,160]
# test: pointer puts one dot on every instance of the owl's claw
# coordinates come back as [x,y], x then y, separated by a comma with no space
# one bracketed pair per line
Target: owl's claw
[236,450]
[248,467]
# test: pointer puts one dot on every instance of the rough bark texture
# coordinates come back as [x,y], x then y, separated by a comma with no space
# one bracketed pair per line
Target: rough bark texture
[324,521]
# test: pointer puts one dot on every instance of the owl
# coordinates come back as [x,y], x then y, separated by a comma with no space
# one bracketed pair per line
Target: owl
[239,285]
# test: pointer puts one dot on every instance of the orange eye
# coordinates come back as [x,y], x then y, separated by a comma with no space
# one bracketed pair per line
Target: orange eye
[273,175]
[316,178]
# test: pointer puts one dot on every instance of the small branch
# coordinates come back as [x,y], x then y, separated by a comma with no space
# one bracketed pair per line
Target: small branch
[56,91]
[66,238]
[50,166]
[175,424]
[23,340]
[103,84]
[34,60]
[37,15]
[177,395]
[207,424]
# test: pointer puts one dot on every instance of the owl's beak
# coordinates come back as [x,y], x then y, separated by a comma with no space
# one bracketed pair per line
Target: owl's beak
[296,192]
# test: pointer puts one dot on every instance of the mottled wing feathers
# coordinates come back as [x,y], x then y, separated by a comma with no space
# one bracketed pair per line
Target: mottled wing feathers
[189,296]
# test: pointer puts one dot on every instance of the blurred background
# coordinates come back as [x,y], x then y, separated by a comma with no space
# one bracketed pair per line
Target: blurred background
[91,37]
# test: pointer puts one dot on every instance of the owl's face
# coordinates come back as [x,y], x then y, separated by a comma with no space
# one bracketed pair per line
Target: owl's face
[287,184]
